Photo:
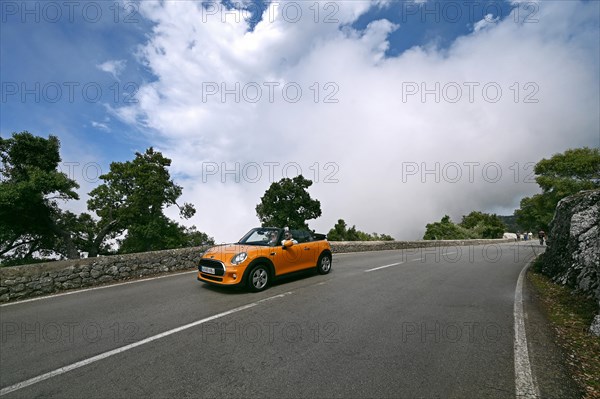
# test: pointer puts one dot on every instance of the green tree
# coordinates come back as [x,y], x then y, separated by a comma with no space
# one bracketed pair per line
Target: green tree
[132,198]
[30,188]
[84,232]
[288,203]
[560,176]
[340,232]
[483,224]
[510,221]
[191,237]
[445,229]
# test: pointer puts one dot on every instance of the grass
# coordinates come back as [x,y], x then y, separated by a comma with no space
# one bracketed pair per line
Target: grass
[570,315]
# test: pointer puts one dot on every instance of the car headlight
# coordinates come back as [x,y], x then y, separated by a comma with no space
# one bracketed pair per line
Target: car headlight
[239,258]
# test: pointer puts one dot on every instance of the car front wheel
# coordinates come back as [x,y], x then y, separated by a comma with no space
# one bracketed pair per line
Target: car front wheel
[324,264]
[258,278]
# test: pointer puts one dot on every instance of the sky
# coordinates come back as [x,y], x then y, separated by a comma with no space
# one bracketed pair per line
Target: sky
[399,111]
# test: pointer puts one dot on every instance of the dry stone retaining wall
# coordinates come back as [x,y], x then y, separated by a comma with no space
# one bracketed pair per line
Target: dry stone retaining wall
[573,254]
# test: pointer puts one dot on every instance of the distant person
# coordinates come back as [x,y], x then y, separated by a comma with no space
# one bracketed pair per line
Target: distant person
[541,236]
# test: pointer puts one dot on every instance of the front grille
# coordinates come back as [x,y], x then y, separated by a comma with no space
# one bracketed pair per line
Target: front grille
[217,265]
[211,277]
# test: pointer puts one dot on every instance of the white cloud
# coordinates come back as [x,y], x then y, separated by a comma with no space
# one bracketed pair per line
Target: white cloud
[114,67]
[377,133]
[486,22]
[101,126]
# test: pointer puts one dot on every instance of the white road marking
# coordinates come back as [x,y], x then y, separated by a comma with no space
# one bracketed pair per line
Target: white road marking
[383,267]
[104,355]
[96,288]
[524,384]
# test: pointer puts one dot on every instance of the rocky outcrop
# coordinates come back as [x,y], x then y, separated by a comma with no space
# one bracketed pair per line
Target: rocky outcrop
[573,254]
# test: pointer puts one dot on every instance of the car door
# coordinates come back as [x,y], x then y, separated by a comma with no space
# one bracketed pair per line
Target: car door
[306,250]
[288,259]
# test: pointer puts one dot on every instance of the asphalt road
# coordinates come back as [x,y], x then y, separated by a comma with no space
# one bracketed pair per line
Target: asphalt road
[434,322]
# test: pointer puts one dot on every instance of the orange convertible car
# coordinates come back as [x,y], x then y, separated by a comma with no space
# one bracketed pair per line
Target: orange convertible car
[262,255]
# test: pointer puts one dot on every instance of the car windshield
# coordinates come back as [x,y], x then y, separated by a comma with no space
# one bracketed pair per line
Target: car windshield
[268,236]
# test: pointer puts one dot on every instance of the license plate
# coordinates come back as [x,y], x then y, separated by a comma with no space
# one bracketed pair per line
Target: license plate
[209,270]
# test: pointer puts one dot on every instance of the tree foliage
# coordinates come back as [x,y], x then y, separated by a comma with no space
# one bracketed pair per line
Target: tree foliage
[560,176]
[30,188]
[132,199]
[483,224]
[288,203]
[474,225]
[341,232]
[445,229]
[129,205]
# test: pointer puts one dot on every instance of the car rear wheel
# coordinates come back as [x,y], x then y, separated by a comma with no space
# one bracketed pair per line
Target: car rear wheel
[324,264]
[258,278]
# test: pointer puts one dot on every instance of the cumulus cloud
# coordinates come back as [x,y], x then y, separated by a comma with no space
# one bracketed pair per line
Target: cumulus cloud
[391,143]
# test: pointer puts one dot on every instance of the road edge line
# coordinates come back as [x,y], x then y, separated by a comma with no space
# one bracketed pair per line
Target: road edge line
[525,386]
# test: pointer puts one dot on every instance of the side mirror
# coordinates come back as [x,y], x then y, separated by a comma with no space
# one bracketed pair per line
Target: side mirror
[287,244]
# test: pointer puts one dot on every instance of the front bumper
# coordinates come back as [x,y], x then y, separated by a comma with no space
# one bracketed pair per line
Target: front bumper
[229,276]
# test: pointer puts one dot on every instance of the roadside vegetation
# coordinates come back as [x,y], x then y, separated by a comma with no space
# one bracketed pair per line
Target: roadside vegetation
[288,203]
[341,232]
[558,177]
[126,210]
[474,225]
[570,315]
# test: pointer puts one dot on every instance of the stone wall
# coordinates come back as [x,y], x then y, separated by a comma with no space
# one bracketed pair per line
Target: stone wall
[20,282]
[573,254]
[362,246]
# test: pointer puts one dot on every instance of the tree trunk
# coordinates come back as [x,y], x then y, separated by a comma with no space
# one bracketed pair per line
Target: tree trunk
[95,248]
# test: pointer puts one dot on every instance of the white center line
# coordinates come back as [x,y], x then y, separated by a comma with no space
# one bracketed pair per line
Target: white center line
[383,267]
[104,355]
